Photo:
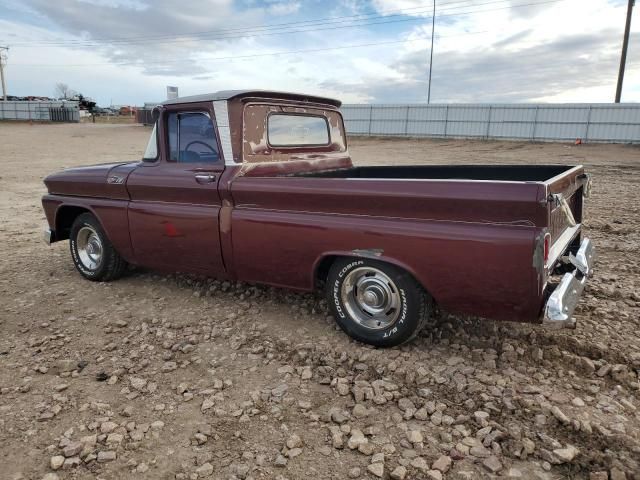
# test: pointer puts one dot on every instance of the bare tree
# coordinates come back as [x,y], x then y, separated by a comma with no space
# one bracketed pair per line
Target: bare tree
[63,90]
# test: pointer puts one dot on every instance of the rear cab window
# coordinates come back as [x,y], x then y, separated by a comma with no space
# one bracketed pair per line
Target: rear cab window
[287,130]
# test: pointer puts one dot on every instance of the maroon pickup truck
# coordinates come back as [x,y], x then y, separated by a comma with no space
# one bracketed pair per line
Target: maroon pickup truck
[258,186]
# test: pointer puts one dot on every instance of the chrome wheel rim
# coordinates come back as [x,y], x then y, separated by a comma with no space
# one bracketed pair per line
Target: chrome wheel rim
[371,298]
[89,248]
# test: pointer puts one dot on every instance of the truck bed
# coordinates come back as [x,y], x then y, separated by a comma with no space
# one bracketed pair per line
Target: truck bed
[508,173]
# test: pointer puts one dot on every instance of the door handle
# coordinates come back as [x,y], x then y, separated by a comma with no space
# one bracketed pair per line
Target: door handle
[205,178]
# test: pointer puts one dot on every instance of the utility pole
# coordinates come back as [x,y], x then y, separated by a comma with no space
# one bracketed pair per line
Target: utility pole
[3,57]
[625,44]
[433,27]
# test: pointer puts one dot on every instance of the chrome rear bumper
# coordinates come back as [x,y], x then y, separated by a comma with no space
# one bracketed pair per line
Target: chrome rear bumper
[562,302]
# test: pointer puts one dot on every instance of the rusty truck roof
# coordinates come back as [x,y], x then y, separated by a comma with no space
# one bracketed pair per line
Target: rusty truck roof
[233,94]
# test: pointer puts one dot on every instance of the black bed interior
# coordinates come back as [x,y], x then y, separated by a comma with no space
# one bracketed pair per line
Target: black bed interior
[528,173]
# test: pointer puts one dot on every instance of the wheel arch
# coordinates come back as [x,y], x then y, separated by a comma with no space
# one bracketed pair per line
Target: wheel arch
[323,264]
[65,216]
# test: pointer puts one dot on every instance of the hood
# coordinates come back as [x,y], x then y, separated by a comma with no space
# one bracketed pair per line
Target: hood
[106,180]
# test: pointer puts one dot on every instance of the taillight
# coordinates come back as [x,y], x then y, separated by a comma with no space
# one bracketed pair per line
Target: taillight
[547,247]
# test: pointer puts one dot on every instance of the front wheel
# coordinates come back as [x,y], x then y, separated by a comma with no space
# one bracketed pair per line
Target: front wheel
[377,303]
[92,252]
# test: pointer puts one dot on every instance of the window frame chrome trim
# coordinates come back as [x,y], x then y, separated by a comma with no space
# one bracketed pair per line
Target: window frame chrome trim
[221,112]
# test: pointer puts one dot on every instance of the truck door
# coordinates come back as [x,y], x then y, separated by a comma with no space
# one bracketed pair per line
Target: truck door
[175,205]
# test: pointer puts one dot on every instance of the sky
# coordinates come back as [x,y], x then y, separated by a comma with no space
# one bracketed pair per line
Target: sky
[360,51]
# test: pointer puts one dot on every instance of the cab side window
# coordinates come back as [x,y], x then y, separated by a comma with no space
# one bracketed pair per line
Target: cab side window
[192,138]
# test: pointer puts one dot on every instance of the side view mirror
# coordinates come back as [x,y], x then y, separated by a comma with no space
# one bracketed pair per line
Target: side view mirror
[155,113]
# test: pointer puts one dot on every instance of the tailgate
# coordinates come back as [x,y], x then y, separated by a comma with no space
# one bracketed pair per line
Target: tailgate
[564,202]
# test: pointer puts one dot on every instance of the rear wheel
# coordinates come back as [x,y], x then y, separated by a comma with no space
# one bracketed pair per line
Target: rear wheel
[377,303]
[92,253]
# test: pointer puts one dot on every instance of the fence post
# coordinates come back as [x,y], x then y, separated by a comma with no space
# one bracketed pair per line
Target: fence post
[446,119]
[370,115]
[488,124]
[535,124]
[406,121]
[586,133]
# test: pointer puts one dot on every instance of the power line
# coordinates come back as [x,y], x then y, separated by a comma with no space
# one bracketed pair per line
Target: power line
[260,31]
[562,62]
[259,28]
[312,50]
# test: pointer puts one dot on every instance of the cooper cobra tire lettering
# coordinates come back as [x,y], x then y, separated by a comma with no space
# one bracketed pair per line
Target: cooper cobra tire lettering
[415,304]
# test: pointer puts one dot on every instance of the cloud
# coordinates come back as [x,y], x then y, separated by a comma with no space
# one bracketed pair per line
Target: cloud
[129,49]
[553,71]
[284,8]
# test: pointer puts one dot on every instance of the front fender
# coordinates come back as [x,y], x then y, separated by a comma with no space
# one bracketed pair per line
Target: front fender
[112,215]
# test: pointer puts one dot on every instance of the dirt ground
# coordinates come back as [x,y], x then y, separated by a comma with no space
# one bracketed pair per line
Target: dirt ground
[165,377]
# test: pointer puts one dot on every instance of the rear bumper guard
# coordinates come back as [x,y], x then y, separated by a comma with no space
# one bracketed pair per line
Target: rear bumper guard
[49,236]
[562,302]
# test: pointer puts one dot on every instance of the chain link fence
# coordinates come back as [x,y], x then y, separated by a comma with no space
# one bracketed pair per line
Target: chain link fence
[608,123]
[61,111]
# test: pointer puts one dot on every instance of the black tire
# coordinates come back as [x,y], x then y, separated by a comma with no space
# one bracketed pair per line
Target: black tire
[415,306]
[110,266]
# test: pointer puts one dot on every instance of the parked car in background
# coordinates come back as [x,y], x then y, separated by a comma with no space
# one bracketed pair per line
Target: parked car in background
[259,186]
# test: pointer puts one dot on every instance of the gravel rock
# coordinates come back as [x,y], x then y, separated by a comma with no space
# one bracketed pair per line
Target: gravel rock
[205,470]
[492,464]
[354,472]
[617,474]
[137,383]
[598,476]
[567,454]
[420,464]
[56,462]
[559,415]
[169,367]
[280,461]
[356,439]
[443,463]
[71,463]
[108,427]
[360,411]
[399,473]
[72,449]
[376,469]
[106,456]
[414,436]
[294,441]
[339,417]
